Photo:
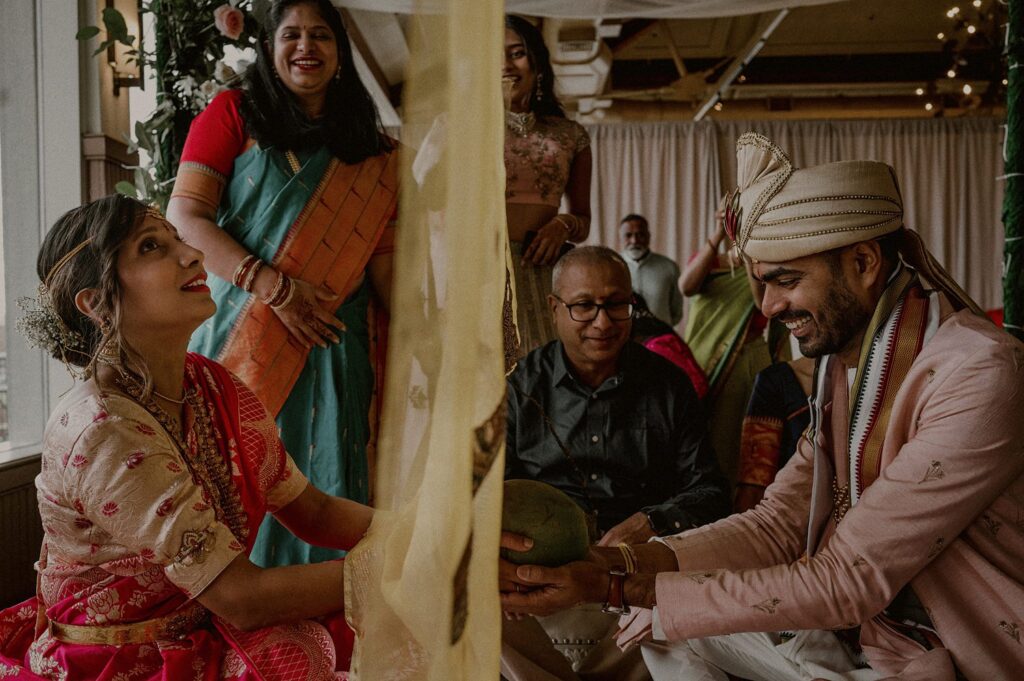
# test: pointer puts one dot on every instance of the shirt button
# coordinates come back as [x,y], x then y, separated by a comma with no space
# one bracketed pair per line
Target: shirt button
[594,438]
[593,476]
[677,524]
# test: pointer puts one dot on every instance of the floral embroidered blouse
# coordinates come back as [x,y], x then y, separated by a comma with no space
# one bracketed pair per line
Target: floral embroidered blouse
[538,161]
[116,494]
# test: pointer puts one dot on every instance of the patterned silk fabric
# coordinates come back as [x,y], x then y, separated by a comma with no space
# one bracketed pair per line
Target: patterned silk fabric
[537,162]
[131,536]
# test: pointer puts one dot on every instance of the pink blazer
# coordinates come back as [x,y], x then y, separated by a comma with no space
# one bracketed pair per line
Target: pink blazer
[946,515]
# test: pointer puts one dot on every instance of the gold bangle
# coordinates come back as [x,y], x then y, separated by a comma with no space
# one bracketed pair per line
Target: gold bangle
[575,233]
[276,291]
[629,556]
[250,278]
[289,294]
[565,226]
[242,269]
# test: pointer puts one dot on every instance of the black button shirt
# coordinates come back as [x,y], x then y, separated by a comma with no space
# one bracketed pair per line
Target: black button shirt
[639,440]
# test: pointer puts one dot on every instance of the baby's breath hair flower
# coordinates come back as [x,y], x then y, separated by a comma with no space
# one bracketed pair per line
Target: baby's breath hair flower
[43,328]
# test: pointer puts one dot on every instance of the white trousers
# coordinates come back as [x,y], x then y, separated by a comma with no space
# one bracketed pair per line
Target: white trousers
[754,656]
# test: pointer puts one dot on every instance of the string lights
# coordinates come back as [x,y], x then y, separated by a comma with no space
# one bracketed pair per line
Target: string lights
[972,46]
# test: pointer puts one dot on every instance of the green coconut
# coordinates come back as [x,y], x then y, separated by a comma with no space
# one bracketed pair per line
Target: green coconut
[557,526]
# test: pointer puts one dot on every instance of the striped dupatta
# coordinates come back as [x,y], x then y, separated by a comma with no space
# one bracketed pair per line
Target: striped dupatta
[905,319]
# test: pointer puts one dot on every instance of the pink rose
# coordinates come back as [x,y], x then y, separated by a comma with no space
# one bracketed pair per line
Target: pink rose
[229,21]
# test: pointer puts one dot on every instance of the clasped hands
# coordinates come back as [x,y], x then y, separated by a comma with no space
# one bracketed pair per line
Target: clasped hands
[539,590]
[307,320]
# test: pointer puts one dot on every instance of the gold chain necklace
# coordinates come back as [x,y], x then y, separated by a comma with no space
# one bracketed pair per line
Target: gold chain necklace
[208,467]
[165,397]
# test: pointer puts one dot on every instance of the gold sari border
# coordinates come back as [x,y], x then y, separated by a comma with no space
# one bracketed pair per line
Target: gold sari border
[174,627]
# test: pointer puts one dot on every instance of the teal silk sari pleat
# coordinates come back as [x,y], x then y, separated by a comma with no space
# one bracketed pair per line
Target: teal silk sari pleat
[324,422]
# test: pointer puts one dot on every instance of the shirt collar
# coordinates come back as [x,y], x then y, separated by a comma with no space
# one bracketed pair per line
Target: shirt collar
[562,373]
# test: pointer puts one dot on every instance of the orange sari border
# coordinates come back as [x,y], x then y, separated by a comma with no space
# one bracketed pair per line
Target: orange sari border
[329,244]
[759,453]
[199,182]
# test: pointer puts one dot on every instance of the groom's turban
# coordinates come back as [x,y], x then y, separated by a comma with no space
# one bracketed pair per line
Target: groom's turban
[786,213]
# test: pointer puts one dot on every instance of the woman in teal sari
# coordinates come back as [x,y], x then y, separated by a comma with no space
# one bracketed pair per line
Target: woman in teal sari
[289,187]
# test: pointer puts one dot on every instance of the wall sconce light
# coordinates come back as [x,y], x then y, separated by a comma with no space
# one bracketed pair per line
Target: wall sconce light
[127,68]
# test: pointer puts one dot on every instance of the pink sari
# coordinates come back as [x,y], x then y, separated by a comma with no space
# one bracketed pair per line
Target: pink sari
[122,616]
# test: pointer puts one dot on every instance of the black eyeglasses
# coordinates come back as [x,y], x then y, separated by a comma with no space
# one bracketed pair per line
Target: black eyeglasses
[587,311]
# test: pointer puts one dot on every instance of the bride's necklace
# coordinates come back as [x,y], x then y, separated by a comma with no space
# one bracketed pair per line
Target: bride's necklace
[207,464]
[110,358]
[520,123]
[159,394]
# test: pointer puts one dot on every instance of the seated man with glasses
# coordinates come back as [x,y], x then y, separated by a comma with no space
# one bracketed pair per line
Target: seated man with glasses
[622,432]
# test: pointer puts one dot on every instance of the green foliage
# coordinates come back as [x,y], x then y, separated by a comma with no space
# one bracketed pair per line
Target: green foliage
[126,188]
[1013,155]
[186,65]
[87,33]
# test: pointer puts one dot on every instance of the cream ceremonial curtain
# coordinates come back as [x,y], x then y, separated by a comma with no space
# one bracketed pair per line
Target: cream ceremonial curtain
[422,587]
[673,173]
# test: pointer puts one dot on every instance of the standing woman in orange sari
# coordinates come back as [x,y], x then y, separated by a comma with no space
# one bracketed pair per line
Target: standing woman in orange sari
[289,187]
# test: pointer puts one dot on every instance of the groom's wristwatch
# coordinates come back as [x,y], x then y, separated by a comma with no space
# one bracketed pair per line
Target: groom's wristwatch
[615,600]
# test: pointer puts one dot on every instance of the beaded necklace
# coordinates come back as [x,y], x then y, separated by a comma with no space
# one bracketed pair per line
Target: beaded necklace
[208,467]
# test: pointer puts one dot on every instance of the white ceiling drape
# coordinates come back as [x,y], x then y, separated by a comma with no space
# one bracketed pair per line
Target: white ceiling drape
[608,9]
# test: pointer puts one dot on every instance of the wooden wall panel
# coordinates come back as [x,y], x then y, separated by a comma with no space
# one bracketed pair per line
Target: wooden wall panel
[106,164]
[21,532]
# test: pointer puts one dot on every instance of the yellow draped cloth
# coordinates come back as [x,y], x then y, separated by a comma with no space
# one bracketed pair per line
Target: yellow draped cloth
[421,588]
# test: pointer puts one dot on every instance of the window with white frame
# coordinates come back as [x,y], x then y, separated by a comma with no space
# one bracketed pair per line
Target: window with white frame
[40,179]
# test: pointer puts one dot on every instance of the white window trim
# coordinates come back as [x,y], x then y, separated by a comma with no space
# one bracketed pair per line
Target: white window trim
[41,178]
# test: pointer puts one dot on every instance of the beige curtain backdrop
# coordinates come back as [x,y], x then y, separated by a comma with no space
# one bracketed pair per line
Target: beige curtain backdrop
[673,173]
[667,172]
[422,587]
